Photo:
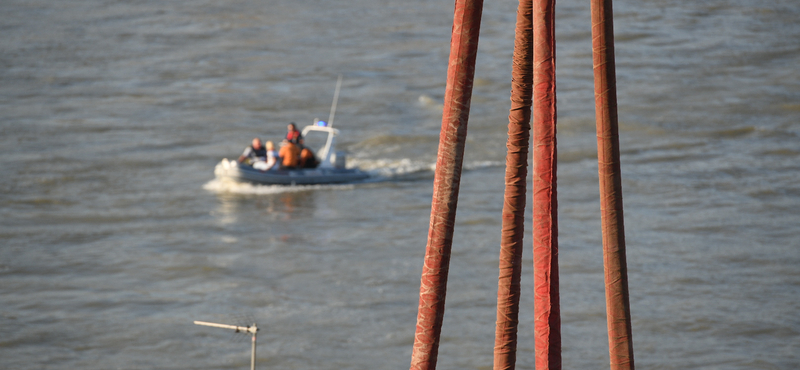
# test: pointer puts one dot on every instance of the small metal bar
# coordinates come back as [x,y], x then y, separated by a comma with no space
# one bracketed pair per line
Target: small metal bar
[252,329]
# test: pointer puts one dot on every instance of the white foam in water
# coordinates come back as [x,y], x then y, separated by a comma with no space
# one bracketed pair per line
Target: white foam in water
[429,102]
[389,168]
[404,168]
[482,164]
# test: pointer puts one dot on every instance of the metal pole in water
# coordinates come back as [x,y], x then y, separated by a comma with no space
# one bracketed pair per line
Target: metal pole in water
[618,310]
[335,101]
[252,329]
[253,354]
[453,135]
[513,216]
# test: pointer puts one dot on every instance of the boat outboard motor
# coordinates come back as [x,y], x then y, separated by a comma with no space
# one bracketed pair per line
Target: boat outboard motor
[340,159]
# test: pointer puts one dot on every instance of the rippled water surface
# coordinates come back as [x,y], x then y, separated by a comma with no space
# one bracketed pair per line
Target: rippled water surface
[115,235]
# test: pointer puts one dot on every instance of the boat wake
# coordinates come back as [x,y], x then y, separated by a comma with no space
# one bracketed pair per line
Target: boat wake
[394,169]
[406,169]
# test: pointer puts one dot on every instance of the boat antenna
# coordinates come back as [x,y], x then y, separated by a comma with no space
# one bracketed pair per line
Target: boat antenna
[335,100]
[252,329]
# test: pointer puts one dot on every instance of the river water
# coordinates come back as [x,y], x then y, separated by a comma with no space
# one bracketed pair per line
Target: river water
[115,236]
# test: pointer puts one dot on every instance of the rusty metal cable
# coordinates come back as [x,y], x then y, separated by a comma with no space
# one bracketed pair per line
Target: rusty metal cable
[620,342]
[547,308]
[513,222]
[458,93]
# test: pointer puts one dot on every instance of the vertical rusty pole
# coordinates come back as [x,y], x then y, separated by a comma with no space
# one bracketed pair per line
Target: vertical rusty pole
[433,284]
[618,312]
[519,132]
[547,308]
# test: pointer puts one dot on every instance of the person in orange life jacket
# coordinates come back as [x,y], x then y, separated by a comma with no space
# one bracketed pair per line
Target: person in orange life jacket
[290,154]
[253,153]
[307,157]
[292,134]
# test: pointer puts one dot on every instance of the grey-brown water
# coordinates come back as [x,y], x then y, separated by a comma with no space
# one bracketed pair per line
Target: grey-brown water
[115,236]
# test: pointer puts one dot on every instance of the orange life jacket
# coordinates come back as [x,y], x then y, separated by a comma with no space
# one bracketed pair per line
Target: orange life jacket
[290,155]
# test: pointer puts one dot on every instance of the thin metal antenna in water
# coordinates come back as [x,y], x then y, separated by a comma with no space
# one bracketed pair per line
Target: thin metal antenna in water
[252,329]
[335,100]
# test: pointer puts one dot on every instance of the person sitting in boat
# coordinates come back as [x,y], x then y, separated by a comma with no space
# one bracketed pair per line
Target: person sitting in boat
[290,155]
[271,160]
[253,153]
[307,157]
[272,156]
[293,134]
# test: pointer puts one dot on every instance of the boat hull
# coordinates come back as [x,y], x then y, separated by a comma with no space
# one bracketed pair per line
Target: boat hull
[307,176]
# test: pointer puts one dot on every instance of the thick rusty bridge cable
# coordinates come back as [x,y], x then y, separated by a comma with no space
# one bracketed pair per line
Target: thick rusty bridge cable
[618,313]
[458,93]
[519,131]
[547,308]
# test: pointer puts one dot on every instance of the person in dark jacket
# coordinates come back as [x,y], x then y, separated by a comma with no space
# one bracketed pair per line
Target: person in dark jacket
[254,152]
[307,157]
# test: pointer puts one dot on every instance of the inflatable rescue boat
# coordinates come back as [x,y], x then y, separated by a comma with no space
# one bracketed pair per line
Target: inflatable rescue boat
[331,168]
